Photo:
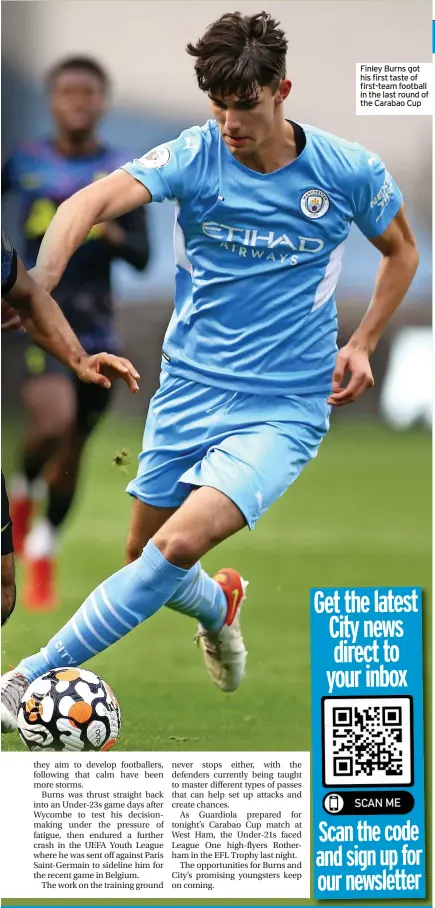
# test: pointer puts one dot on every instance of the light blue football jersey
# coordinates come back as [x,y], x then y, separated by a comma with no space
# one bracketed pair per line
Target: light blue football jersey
[258,256]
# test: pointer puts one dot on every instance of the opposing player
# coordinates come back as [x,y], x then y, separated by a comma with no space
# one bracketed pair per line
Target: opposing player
[250,365]
[27,304]
[62,412]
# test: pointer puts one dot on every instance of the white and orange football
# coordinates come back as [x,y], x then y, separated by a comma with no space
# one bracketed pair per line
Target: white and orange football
[69,709]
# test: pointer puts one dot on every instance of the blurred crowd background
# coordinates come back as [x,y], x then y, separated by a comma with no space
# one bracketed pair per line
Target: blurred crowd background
[141,44]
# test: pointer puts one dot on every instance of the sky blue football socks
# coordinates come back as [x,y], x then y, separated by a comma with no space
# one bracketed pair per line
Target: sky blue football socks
[122,602]
[199,596]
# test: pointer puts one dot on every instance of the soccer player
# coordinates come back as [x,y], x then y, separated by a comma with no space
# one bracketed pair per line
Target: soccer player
[62,412]
[250,365]
[25,303]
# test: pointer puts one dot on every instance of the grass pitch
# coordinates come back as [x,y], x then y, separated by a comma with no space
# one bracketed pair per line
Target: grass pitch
[359,515]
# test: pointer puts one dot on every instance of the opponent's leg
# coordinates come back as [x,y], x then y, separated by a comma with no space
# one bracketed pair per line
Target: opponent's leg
[49,402]
[40,547]
[91,403]
[62,477]
[51,407]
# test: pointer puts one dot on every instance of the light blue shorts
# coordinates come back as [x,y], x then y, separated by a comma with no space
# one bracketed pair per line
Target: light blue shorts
[249,446]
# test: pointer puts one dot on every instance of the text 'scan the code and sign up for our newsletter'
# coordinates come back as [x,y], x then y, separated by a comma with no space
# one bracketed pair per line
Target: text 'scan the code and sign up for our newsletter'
[367,753]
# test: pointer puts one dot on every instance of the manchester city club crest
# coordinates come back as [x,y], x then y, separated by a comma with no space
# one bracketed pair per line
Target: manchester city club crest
[314,203]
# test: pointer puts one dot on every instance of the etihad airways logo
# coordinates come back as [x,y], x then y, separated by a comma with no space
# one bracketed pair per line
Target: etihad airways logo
[256,242]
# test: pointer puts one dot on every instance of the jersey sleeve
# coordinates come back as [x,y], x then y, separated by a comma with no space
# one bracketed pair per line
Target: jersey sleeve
[376,197]
[9,264]
[174,170]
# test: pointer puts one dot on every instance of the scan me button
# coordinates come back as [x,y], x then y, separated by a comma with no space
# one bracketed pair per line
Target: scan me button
[367,802]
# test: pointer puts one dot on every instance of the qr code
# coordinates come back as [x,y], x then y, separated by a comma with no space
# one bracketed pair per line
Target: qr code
[367,741]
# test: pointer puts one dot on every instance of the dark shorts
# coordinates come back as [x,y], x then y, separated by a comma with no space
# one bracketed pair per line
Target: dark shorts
[92,401]
[7,543]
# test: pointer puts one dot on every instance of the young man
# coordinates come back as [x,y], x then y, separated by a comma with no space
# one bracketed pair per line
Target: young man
[250,366]
[26,303]
[62,412]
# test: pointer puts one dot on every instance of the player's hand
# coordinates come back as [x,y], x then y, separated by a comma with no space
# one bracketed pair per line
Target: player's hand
[10,318]
[100,368]
[354,360]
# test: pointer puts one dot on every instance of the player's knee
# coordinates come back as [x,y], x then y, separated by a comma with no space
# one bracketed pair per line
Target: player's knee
[178,549]
[51,405]
[9,595]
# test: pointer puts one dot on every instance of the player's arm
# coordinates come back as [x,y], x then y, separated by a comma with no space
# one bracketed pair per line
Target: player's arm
[172,171]
[104,200]
[45,323]
[399,262]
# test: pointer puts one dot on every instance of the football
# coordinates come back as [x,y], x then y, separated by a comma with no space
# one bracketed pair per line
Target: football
[69,709]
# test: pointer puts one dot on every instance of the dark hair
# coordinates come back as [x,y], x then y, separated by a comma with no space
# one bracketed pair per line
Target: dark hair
[238,54]
[85,64]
